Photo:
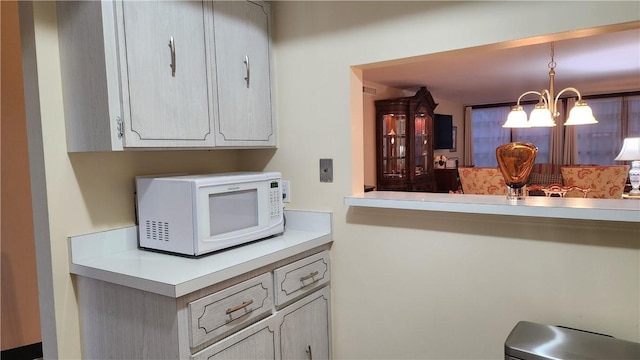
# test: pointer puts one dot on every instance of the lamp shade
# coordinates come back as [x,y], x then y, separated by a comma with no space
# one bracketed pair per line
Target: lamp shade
[581,114]
[630,149]
[541,117]
[517,118]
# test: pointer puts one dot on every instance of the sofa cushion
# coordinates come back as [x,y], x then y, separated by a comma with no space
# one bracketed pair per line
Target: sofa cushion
[604,181]
[482,181]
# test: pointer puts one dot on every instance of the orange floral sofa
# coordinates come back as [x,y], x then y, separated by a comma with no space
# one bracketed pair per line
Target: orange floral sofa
[482,181]
[606,182]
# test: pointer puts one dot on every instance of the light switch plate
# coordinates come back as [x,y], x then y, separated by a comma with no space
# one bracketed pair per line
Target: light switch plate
[326,170]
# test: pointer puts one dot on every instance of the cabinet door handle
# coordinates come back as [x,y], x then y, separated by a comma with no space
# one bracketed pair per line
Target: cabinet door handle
[308,351]
[172,48]
[239,307]
[248,69]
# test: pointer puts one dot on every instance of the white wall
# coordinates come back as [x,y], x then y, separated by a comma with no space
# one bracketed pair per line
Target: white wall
[421,284]
[405,284]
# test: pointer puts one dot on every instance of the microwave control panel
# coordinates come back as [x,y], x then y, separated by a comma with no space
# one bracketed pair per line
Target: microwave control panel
[275,199]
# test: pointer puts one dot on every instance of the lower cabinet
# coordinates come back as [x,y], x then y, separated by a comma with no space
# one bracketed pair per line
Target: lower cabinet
[304,328]
[281,311]
[299,331]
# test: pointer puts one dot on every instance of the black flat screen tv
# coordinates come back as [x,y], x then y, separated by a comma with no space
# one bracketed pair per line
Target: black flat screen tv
[443,131]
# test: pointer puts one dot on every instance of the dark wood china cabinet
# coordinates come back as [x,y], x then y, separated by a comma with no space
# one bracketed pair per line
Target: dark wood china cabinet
[404,142]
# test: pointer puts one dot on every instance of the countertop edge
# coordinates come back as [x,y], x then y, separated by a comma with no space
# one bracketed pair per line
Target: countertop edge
[624,210]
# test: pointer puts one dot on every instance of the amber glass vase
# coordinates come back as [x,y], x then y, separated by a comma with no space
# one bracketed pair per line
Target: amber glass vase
[516,160]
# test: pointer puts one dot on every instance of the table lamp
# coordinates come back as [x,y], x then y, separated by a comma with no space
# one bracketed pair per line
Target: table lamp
[631,151]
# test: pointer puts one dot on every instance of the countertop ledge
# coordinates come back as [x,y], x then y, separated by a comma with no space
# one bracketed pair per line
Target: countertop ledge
[113,256]
[624,210]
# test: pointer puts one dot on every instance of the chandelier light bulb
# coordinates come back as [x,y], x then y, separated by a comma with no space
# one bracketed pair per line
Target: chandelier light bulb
[517,118]
[541,117]
[581,114]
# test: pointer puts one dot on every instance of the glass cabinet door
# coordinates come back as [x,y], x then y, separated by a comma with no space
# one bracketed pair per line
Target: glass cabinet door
[421,145]
[404,143]
[394,145]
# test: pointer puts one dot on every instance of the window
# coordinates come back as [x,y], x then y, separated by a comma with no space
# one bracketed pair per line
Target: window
[618,117]
[600,143]
[488,134]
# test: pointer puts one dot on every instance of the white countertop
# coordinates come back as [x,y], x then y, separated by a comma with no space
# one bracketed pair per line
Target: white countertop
[113,256]
[626,210]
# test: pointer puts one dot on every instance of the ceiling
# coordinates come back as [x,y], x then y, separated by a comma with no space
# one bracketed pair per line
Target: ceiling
[597,64]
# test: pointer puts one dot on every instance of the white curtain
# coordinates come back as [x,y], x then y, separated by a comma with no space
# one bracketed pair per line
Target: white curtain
[467,145]
[600,143]
[570,153]
[631,121]
[488,134]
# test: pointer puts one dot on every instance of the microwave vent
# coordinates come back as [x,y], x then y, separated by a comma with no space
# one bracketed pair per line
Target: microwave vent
[157,230]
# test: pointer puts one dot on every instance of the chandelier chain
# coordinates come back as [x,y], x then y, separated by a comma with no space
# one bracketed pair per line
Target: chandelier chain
[552,63]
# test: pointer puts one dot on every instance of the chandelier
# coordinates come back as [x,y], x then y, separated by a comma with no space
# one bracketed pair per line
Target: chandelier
[546,110]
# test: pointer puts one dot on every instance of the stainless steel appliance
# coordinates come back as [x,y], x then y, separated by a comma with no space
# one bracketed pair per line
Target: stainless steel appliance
[533,341]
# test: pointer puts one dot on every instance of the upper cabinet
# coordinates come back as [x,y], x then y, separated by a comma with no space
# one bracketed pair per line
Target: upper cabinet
[151,74]
[243,72]
[163,62]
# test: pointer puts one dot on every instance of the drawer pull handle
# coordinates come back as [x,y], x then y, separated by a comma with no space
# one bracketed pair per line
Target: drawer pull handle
[305,278]
[308,351]
[239,307]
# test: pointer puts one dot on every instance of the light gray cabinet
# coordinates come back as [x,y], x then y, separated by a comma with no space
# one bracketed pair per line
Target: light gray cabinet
[144,74]
[243,72]
[167,97]
[305,328]
[239,318]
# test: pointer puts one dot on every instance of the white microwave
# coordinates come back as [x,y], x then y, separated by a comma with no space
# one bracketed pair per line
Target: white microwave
[197,214]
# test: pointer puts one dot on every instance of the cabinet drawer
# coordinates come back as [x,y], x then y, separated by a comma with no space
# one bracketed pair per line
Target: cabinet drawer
[217,315]
[297,279]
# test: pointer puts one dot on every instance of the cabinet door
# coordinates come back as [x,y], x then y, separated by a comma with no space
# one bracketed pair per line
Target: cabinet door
[163,61]
[90,75]
[243,74]
[305,328]
[255,342]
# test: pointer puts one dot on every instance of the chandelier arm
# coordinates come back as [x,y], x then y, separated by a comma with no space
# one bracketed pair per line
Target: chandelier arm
[546,92]
[527,93]
[555,102]
[546,97]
